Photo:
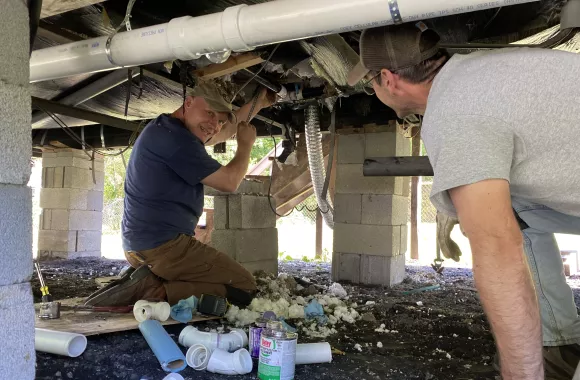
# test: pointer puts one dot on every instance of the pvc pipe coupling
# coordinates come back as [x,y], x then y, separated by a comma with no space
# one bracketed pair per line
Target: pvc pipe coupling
[144,310]
[200,357]
[230,342]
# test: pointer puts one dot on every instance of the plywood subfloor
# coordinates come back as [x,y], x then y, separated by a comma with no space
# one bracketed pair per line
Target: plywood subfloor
[91,323]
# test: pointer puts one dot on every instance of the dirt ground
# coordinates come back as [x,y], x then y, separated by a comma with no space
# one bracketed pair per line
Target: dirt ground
[437,334]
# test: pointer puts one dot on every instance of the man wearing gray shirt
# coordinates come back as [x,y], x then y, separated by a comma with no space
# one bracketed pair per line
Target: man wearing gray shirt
[502,133]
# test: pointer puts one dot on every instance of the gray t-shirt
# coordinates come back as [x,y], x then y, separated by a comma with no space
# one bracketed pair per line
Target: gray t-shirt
[512,114]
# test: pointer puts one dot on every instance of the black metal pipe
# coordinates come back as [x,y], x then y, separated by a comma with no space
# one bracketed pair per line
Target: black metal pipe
[411,166]
[276,87]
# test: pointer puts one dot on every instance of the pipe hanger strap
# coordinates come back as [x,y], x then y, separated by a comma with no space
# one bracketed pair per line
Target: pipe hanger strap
[395,12]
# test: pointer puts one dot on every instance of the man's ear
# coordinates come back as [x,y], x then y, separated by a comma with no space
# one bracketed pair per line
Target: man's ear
[188,101]
[389,80]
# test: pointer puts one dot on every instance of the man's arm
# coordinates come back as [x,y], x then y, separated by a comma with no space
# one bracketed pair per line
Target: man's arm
[228,178]
[265,99]
[502,276]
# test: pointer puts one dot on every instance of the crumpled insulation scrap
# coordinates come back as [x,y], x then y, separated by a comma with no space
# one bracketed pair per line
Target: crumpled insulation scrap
[280,296]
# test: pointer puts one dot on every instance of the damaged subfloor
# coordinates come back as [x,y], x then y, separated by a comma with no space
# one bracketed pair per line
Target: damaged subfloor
[435,334]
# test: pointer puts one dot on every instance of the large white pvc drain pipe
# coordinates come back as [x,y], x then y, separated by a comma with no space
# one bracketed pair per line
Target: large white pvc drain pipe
[59,342]
[234,340]
[238,28]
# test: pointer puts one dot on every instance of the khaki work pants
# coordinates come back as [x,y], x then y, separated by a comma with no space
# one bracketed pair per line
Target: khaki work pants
[188,267]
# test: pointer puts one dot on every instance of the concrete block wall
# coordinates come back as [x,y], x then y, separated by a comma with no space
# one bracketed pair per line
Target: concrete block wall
[71,199]
[371,213]
[245,229]
[16,308]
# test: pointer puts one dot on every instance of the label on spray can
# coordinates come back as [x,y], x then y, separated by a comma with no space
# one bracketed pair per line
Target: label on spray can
[255,335]
[277,356]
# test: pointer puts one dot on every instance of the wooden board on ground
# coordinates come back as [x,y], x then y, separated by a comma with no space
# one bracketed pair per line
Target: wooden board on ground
[91,323]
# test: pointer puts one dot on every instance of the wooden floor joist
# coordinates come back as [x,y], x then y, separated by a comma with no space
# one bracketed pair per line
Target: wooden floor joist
[233,64]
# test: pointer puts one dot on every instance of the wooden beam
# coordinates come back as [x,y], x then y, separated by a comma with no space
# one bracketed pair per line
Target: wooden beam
[415,151]
[54,7]
[233,64]
[319,227]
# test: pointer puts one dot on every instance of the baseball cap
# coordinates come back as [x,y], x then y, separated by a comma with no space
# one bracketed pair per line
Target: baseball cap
[214,99]
[394,47]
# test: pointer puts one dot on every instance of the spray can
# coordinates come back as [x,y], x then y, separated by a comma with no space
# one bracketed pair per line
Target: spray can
[255,334]
[277,353]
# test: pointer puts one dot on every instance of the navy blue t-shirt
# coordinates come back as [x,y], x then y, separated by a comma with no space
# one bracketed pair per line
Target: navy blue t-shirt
[163,189]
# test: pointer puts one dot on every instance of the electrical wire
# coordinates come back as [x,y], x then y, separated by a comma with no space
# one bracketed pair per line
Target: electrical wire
[256,74]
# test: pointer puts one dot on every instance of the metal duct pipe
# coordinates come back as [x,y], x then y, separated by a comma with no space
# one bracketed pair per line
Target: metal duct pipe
[117,77]
[316,162]
[238,28]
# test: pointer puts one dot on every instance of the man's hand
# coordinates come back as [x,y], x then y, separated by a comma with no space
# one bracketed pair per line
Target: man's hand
[266,98]
[502,276]
[246,134]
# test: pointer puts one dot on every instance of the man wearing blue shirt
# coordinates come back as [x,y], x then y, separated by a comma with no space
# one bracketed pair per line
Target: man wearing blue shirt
[164,192]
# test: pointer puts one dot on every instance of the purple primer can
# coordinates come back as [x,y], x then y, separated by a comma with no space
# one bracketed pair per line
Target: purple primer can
[255,334]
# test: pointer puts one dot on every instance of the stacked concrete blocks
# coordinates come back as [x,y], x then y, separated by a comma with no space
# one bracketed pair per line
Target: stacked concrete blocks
[71,199]
[371,213]
[245,226]
[16,309]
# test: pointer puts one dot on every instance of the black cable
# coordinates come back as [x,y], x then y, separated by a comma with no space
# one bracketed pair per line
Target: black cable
[68,130]
[256,74]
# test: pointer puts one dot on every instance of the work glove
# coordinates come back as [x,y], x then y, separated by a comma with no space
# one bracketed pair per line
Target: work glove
[448,247]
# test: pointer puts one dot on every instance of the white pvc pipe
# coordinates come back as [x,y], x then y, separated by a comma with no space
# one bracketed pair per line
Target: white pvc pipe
[236,339]
[197,357]
[59,342]
[173,376]
[144,310]
[225,363]
[238,28]
[313,353]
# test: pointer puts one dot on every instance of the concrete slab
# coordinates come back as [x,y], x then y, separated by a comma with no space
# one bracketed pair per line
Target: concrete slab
[367,239]
[247,245]
[17,332]
[348,208]
[53,240]
[350,180]
[250,211]
[16,234]
[385,209]
[15,143]
[88,241]
[381,144]
[220,213]
[15,44]
[346,267]
[381,270]
[351,149]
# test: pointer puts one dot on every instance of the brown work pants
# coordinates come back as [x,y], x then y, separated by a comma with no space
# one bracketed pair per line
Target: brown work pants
[189,267]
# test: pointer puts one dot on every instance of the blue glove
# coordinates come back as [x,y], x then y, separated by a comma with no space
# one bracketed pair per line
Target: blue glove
[314,310]
[183,310]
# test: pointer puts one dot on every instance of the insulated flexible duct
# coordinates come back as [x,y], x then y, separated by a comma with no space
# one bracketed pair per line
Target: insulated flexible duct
[316,162]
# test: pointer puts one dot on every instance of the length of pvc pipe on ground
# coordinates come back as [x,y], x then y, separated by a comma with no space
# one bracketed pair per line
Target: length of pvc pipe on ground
[313,353]
[59,342]
[238,28]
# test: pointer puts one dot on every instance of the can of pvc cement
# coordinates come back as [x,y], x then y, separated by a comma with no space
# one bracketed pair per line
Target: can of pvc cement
[255,334]
[277,354]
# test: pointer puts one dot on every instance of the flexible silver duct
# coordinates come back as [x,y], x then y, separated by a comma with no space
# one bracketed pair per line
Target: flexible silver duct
[316,162]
